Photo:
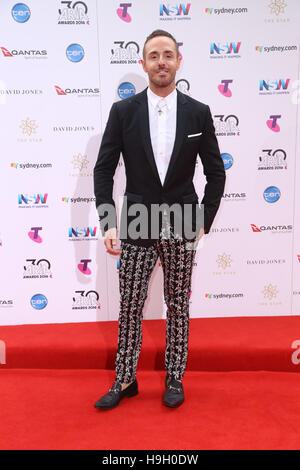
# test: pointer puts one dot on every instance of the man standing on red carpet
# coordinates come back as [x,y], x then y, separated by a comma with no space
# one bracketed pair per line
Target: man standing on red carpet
[160,133]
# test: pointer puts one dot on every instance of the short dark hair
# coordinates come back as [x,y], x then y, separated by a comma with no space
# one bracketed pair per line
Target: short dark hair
[161,32]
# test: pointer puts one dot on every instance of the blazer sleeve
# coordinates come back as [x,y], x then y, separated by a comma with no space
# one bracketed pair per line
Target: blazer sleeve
[105,167]
[214,171]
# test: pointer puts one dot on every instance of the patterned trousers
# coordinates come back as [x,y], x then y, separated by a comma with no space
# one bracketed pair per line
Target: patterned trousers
[135,268]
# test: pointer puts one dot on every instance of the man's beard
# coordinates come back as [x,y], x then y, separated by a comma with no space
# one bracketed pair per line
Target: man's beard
[163,83]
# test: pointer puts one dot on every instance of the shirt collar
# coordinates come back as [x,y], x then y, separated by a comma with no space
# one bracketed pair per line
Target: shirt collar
[169,99]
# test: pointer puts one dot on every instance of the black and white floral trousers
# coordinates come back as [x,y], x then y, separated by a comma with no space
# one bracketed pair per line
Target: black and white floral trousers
[135,269]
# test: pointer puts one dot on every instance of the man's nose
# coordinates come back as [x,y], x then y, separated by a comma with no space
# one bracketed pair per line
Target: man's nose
[161,61]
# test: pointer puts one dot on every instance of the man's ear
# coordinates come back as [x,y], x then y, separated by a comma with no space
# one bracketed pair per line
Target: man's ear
[144,65]
[178,62]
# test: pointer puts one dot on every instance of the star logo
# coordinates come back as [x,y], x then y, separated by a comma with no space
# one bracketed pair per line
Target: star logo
[28,126]
[277,6]
[270,291]
[224,261]
[80,162]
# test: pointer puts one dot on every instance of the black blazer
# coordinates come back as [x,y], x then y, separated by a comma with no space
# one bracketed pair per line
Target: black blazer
[127,131]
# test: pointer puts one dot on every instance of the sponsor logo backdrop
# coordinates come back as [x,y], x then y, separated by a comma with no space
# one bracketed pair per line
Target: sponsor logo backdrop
[63,64]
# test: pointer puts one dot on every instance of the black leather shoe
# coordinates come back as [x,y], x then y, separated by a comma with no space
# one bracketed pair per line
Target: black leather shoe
[174,395]
[115,395]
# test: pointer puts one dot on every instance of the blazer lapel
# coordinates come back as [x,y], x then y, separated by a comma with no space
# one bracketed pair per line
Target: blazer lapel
[180,132]
[143,117]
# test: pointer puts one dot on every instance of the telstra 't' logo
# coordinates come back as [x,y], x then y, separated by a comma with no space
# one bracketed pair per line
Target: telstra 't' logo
[272,122]
[224,88]
[34,235]
[83,266]
[122,12]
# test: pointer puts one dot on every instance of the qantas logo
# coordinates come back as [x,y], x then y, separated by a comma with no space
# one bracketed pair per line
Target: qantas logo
[6,53]
[273,228]
[59,91]
[76,91]
[23,52]
[254,228]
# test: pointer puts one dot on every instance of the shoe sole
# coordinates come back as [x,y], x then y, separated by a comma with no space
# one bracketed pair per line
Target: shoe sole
[103,407]
[172,406]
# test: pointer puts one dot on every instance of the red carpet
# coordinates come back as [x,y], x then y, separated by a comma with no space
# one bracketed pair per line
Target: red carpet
[55,373]
[53,409]
[215,344]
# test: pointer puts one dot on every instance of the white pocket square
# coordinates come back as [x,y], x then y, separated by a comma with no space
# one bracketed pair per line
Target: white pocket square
[195,135]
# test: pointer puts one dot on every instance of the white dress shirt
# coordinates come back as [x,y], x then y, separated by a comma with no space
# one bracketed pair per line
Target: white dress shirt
[162,121]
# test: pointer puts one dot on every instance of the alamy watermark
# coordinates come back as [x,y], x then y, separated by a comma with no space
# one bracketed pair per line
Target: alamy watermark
[182,221]
[296,354]
[2,352]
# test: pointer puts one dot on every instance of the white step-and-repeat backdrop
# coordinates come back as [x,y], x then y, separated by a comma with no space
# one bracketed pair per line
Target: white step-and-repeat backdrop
[63,64]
